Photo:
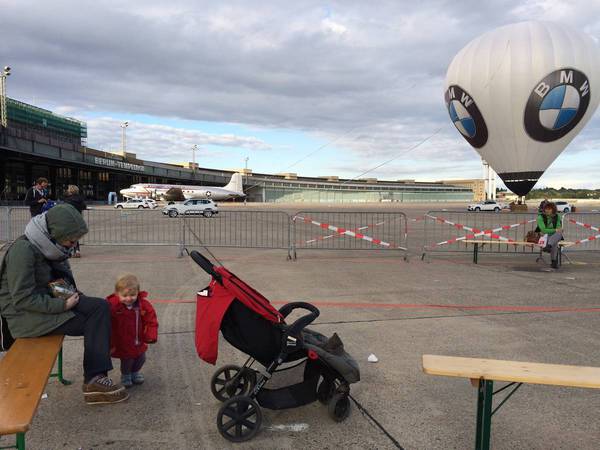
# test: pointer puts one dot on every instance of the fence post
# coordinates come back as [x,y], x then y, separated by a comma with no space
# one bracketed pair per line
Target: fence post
[293,236]
[182,237]
[9,227]
[405,236]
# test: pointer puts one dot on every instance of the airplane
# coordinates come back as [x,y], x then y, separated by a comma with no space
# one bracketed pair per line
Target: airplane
[179,193]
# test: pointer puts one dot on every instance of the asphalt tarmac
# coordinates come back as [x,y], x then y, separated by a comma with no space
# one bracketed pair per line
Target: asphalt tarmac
[505,308]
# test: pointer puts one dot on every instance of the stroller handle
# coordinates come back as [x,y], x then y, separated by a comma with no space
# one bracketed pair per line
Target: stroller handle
[301,323]
[206,265]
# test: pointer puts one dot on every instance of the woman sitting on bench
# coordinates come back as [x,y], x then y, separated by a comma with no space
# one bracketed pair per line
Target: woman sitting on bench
[30,264]
[549,223]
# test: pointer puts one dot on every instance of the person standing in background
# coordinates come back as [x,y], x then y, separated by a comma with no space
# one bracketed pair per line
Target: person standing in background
[75,199]
[37,196]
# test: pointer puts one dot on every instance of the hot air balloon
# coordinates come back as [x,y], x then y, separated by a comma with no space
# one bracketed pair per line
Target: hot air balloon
[520,93]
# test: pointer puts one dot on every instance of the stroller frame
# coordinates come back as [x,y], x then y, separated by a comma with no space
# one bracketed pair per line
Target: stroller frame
[242,389]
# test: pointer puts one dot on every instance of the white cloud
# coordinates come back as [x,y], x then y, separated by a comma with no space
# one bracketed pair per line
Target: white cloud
[164,143]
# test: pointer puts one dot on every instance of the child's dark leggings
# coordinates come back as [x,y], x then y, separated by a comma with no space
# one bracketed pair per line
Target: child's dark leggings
[132,365]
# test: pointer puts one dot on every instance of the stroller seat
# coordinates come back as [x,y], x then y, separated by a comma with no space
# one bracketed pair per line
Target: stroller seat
[332,351]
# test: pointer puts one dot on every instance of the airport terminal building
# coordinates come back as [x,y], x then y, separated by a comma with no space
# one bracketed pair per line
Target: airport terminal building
[39,143]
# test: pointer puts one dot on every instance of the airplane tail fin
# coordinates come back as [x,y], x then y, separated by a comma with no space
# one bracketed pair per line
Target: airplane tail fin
[235,184]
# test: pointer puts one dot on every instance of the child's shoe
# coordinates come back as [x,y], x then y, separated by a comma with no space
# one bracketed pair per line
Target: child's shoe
[137,378]
[126,380]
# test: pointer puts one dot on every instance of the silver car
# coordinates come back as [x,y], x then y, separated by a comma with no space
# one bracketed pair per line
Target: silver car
[204,207]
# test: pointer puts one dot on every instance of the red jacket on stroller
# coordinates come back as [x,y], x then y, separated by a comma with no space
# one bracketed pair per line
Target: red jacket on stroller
[132,329]
[210,310]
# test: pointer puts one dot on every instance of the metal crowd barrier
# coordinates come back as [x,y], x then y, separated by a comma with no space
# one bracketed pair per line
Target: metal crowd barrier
[18,217]
[307,230]
[130,227]
[337,230]
[4,224]
[584,230]
[242,229]
[445,231]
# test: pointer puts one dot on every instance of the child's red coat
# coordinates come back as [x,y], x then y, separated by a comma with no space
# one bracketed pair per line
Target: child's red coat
[127,340]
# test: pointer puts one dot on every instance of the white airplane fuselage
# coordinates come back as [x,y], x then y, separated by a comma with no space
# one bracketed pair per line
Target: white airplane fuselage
[162,191]
[159,191]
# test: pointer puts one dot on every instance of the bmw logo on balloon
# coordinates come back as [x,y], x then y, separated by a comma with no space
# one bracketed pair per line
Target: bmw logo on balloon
[466,116]
[557,104]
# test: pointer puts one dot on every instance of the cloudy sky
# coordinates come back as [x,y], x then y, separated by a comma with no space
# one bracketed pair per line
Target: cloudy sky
[313,87]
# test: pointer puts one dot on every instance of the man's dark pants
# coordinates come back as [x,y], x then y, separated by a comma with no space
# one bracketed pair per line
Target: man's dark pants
[92,321]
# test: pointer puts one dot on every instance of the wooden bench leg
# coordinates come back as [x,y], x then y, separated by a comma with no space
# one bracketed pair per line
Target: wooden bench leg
[20,441]
[59,372]
[20,445]
[485,393]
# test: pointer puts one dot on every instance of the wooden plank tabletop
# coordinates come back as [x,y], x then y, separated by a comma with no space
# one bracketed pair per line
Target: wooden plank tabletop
[522,372]
[531,244]
[24,372]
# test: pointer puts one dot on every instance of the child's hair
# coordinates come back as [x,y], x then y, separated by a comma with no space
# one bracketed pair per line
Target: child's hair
[126,283]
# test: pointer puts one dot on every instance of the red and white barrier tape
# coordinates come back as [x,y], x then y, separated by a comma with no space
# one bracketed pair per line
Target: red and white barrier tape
[475,232]
[588,239]
[589,227]
[584,225]
[344,231]
[329,236]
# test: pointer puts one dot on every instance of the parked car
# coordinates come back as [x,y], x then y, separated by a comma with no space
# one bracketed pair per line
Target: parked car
[487,205]
[203,207]
[564,207]
[137,203]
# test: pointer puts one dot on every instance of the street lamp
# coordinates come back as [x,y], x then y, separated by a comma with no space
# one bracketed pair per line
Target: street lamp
[245,175]
[124,126]
[3,116]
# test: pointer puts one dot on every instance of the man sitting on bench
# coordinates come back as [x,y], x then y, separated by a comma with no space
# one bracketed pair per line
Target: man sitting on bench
[549,223]
[30,264]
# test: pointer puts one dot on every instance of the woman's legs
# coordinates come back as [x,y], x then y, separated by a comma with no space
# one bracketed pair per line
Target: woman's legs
[553,242]
[92,321]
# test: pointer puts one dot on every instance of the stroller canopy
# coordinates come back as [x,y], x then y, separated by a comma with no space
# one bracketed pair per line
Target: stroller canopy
[224,288]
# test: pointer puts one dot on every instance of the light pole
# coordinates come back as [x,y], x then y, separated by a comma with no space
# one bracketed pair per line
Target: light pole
[3,116]
[194,148]
[124,126]
[245,175]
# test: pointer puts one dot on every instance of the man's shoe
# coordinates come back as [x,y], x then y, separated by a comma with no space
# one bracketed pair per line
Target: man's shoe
[554,264]
[106,399]
[137,378]
[126,380]
[102,385]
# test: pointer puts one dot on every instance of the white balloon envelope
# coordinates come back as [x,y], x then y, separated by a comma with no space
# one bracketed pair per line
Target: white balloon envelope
[520,93]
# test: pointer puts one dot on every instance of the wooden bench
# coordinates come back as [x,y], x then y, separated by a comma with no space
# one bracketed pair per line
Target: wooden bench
[481,242]
[24,372]
[483,373]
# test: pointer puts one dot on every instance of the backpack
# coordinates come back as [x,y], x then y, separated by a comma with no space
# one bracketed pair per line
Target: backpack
[49,204]
[6,339]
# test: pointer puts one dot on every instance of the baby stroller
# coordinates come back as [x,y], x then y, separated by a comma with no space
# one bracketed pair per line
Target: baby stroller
[252,325]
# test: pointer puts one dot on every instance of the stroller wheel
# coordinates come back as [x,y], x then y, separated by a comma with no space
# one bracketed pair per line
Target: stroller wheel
[228,382]
[339,407]
[239,419]
[325,390]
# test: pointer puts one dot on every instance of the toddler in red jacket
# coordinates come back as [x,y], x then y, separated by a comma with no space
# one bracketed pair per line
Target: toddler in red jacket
[134,326]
